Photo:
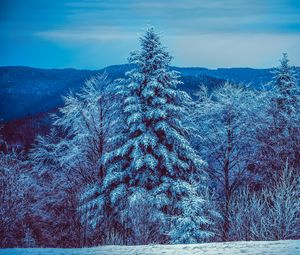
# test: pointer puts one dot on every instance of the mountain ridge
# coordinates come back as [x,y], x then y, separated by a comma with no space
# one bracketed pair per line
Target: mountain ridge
[25,91]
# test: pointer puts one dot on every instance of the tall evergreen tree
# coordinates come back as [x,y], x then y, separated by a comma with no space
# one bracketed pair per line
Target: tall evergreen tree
[156,156]
[284,82]
[279,135]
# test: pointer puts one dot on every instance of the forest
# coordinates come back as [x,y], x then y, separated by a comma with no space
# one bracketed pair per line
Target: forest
[136,160]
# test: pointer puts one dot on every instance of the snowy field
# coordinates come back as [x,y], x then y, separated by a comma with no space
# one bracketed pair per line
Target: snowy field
[290,247]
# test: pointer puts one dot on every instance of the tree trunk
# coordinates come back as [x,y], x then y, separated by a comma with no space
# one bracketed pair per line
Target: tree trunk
[227,202]
[227,186]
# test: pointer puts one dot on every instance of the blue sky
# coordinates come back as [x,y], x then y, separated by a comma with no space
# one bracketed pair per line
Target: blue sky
[95,33]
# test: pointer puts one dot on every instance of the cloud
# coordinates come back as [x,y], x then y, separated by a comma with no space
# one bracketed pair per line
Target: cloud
[191,15]
[86,34]
[233,50]
[208,33]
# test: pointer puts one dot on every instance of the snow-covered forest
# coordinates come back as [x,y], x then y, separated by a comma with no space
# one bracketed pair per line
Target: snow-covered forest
[136,161]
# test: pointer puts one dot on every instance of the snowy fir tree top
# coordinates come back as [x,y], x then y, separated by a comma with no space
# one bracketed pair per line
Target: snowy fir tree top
[156,147]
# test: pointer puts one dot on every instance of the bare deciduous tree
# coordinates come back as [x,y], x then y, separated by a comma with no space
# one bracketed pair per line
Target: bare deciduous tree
[225,123]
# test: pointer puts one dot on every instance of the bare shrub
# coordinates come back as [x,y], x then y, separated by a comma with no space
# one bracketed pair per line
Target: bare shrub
[270,214]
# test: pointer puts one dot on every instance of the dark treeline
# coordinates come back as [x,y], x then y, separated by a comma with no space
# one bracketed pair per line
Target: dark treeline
[138,161]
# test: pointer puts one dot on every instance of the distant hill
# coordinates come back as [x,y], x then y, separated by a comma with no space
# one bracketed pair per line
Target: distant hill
[25,91]
[254,77]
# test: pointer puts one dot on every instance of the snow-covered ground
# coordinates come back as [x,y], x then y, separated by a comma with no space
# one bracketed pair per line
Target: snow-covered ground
[290,247]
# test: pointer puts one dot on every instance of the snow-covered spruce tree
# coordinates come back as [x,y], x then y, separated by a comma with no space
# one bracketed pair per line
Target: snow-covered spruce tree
[280,132]
[284,82]
[156,157]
